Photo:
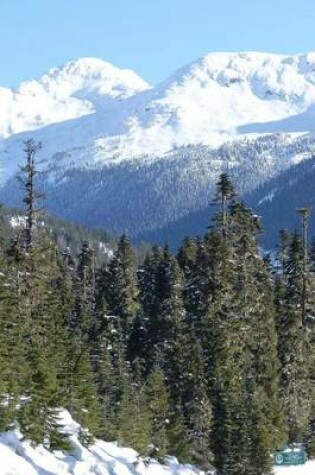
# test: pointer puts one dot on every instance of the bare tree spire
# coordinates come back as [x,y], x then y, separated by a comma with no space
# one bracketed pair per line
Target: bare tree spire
[27,178]
[305,213]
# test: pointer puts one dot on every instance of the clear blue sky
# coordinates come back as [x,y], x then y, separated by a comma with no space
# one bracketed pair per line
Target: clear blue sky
[152,37]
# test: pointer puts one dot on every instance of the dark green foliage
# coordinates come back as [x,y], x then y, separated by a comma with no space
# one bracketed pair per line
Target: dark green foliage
[200,428]
[134,415]
[294,346]
[123,290]
[208,355]
[177,434]
[158,399]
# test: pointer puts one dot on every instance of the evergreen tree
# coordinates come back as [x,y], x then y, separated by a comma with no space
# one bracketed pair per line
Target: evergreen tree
[177,435]
[197,287]
[293,347]
[200,423]
[39,306]
[186,256]
[244,343]
[13,368]
[123,289]
[27,179]
[158,399]
[85,300]
[225,193]
[143,337]
[134,415]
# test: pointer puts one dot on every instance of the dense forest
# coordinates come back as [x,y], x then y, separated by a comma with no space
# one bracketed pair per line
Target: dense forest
[206,354]
[154,199]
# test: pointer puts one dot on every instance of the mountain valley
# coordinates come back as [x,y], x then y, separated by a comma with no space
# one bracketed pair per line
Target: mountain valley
[120,154]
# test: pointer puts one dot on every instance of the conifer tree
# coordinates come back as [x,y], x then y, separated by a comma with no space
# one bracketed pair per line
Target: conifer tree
[123,289]
[178,435]
[200,423]
[293,347]
[85,302]
[143,336]
[186,256]
[224,195]
[158,399]
[243,343]
[196,287]
[13,368]
[134,414]
[42,332]
[171,309]
[27,179]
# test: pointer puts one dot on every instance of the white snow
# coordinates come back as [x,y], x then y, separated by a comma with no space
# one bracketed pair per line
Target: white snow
[18,221]
[72,91]
[90,112]
[18,457]
[306,469]
[269,197]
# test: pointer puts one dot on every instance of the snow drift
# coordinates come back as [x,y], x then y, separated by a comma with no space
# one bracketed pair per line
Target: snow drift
[18,457]
[95,112]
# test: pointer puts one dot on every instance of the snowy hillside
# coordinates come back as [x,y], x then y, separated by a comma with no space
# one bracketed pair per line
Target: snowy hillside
[18,457]
[103,112]
[216,98]
[114,147]
[75,90]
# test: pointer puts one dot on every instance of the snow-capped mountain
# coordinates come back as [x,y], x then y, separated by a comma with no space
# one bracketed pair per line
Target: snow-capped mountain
[116,114]
[75,90]
[111,139]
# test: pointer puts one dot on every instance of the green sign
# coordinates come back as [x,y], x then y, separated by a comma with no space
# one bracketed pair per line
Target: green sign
[290,456]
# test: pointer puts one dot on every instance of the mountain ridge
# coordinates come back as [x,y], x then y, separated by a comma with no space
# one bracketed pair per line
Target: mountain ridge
[271,86]
[55,96]
[125,147]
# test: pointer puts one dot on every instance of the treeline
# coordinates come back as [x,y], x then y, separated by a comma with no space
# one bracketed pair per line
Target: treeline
[122,195]
[207,354]
[67,235]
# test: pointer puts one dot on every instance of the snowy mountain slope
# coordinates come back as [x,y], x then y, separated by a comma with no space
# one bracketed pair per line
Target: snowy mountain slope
[278,200]
[114,149]
[74,90]
[18,457]
[165,198]
[211,100]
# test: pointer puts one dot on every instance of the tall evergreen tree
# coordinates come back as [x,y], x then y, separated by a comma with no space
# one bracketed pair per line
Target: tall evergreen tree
[293,347]
[123,290]
[158,399]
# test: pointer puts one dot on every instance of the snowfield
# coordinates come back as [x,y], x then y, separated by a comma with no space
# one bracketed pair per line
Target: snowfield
[91,112]
[307,469]
[18,457]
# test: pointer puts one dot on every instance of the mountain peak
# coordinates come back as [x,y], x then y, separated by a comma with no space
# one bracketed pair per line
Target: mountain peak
[73,90]
[94,74]
[248,64]
[209,101]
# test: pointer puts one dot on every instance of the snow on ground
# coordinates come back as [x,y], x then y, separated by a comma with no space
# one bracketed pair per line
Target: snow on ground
[18,457]
[91,111]
[307,469]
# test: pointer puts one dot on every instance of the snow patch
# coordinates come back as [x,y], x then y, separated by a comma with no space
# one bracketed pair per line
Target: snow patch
[18,457]
[90,112]
[269,197]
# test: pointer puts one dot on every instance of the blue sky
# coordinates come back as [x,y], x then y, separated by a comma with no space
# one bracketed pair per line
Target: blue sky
[152,37]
